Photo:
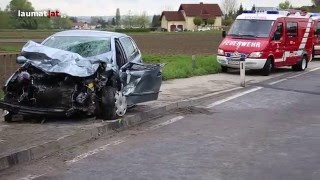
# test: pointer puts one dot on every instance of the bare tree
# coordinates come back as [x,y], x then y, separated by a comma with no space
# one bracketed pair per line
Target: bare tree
[229,7]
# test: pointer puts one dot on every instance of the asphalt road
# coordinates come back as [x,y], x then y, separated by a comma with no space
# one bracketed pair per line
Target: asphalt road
[270,131]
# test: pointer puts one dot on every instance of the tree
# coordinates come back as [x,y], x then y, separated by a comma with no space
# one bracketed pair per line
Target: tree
[22,5]
[211,21]
[253,8]
[229,7]
[5,21]
[142,21]
[113,22]
[285,5]
[227,21]
[102,22]
[197,21]
[240,11]
[156,21]
[61,23]
[118,17]
[316,2]
[73,19]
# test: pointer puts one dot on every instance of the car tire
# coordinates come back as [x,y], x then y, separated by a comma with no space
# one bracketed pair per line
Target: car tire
[268,67]
[112,106]
[8,117]
[301,65]
[224,69]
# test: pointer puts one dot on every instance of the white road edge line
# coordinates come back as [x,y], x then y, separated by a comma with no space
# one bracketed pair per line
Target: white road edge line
[166,123]
[95,151]
[291,77]
[276,82]
[30,177]
[114,143]
[233,97]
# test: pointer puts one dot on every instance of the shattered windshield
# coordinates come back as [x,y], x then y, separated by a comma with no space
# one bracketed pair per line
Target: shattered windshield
[251,28]
[84,46]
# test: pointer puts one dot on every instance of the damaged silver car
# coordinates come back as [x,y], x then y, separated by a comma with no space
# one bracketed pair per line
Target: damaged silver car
[80,71]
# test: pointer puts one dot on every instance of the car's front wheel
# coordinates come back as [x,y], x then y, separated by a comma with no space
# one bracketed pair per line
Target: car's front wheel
[8,117]
[113,103]
[224,69]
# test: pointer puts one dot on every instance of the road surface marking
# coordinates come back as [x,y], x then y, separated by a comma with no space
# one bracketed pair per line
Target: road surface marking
[31,177]
[95,151]
[166,123]
[233,97]
[291,77]
[114,143]
[276,82]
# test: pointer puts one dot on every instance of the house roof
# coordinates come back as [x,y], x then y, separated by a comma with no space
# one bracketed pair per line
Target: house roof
[203,10]
[173,15]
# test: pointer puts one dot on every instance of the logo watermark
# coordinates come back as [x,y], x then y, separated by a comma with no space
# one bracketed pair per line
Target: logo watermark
[46,13]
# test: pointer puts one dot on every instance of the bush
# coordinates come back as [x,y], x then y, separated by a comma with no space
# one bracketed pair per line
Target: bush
[133,30]
[180,66]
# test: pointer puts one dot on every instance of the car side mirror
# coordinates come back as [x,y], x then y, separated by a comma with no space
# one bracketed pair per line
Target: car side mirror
[224,34]
[277,36]
[21,60]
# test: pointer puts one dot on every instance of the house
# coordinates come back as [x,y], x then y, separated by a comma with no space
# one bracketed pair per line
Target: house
[183,18]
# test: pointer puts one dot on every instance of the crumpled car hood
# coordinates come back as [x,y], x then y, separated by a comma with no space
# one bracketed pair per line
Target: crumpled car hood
[52,60]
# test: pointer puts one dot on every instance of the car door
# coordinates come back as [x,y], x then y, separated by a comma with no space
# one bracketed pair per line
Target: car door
[292,44]
[141,82]
[278,43]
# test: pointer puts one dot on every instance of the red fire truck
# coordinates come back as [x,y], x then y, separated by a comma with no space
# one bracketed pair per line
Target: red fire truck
[268,40]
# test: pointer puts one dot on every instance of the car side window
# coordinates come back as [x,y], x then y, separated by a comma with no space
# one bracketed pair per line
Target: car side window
[120,55]
[292,29]
[130,48]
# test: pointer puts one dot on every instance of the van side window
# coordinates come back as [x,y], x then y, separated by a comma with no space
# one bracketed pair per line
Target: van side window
[292,29]
[279,31]
[318,29]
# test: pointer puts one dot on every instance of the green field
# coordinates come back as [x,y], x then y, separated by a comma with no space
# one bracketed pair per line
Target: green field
[10,48]
[181,66]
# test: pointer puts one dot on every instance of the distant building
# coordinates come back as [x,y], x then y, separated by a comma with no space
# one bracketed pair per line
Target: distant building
[85,25]
[183,18]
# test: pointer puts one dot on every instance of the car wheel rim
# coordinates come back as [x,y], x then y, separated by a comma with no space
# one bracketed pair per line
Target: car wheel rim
[304,64]
[121,104]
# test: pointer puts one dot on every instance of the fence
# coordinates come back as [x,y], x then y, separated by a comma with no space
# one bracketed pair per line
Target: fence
[8,65]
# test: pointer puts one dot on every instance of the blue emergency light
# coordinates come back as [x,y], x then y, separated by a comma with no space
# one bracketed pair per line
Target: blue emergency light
[249,12]
[315,14]
[273,12]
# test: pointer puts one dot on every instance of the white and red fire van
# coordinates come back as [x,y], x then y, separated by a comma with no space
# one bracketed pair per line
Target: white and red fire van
[268,40]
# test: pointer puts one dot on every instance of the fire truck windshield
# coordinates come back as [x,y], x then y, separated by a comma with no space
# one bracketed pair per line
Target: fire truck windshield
[251,28]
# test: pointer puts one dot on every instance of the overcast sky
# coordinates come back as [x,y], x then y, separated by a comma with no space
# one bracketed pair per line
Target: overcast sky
[108,7]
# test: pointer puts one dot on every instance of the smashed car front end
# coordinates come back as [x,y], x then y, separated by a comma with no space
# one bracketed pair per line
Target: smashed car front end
[54,83]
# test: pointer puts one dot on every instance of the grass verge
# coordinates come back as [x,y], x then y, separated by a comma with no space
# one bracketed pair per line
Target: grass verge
[10,48]
[181,66]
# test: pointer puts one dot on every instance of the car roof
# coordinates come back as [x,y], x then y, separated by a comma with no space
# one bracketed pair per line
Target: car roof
[92,33]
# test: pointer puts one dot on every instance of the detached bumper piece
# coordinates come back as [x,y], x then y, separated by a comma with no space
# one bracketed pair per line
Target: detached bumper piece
[27,110]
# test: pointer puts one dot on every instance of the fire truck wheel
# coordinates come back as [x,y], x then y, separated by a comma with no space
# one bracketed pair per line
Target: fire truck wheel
[266,70]
[301,65]
[224,69]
